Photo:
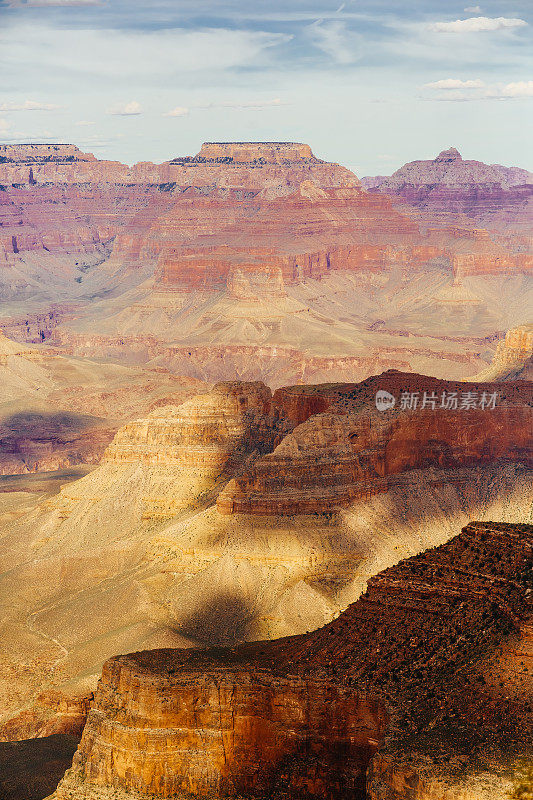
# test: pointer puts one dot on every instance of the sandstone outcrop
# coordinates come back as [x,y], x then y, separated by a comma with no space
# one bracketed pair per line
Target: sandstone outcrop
[342,453]
[513,359]
[274,718]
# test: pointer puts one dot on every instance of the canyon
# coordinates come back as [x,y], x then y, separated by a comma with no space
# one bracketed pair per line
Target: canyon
[240,514]
[244,261]
[247,403]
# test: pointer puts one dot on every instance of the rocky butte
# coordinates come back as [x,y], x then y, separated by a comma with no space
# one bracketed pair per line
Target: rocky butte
[416,660]
[243,261]
[451,190]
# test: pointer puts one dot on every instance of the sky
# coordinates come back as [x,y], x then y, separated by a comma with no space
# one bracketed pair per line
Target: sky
[370,84]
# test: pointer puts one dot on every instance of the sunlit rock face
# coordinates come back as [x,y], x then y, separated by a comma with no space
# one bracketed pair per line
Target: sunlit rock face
[143,552]
[513,358]
[223,732]
[339,455]
[307,713]
[214,430]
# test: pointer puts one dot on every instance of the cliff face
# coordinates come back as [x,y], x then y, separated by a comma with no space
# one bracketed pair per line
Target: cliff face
[226,733]
[422,632]
[244,261]
[513,358]
[339,455]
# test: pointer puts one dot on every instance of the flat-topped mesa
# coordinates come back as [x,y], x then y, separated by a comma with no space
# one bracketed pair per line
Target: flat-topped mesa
[347,453]
[266,152]
[39,153]
[276,167]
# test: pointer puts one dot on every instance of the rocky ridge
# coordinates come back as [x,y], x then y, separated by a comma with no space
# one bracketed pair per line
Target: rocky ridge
[346,453]
[402,654]
[450,189]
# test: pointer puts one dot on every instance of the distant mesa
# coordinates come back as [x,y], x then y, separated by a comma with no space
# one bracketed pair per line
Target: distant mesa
[242,152]
[35,151]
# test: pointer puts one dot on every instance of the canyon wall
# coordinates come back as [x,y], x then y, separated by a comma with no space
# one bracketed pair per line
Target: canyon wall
[339,455]
[244,260]
[224,722]
[225,733]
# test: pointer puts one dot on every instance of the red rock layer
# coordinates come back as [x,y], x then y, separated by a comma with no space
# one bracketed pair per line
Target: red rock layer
[343,454]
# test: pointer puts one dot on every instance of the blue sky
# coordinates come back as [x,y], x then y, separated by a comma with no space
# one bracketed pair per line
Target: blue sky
[370,84]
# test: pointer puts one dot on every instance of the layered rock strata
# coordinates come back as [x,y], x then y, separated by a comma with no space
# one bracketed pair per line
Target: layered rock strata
[513,358]
[222,723]
[451,189]
[243,261]
[139,549]
[342,453]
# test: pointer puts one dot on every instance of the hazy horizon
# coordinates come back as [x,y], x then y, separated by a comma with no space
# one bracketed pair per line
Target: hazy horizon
[370,85]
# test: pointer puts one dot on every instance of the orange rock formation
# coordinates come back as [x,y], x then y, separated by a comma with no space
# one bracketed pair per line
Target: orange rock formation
[307,713]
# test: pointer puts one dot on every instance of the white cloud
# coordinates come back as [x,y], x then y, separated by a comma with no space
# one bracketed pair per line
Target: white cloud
[84,122]
[518,89]
[28,105]
[52,3]
[130,55]
[473,10]
[477,24]
[131,109]
[179,111]
[454,83]
[4,125]
[447,90]
[334,39]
